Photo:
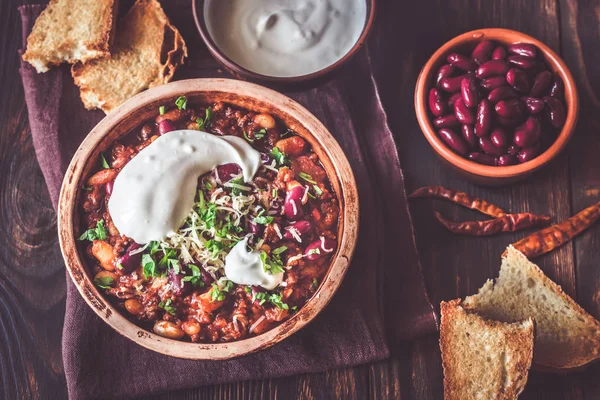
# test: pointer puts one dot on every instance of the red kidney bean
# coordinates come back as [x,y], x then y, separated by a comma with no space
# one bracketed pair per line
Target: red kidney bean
[499,137]
[447,121]
[454,141]
[445,71]
[482,51]
[556,111]
[488,147]
[540,84]
[529,153]
[300,228]
[493,82]
[461,62]
[558,87]
[227,171]
[319,248]
[518,79]
[451,84]
[506,159]
[506,121]
[483,121]
[512,109]
[492,68]
[501,93]
[128,263]
[437,105]
[533,105]
[523,49]
[165,126]
[109,187]
[499,53]
[255,229]
[453,99]
[462,112]
[469,91]
[177,284]
[513,150]
[293,203]
[528,133]
[482,158]
[206,277]
[468,133]
[522,62]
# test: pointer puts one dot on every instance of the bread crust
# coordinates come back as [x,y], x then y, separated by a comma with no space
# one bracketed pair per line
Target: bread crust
[138,40]
[46,47]
[580,359]
[518,336]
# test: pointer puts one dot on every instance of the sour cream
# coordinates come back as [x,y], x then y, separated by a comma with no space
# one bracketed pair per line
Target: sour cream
[285,38]
[246,268]
[154,193]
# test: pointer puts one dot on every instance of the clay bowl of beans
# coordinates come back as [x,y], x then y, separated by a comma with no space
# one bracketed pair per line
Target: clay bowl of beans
[208,218]
[496,104]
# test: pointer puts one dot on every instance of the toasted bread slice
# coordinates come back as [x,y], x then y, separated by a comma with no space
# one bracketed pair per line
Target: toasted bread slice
[71,31]
[483,359]
[147,51]
[567,337]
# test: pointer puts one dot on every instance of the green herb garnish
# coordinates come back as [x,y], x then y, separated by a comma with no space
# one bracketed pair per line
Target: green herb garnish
[219,293]
[196,278]
[149,266]
[264,219]
[104,162]
[273,265]
[105,282]
[166,305]
[181,102]
[161,110]
[315,284]
[97,233]
[276,300]
[204,122]
[318,190]
[279,156]
[279,250]
[307,177]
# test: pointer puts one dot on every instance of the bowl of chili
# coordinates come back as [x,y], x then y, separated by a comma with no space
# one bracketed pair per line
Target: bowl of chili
[298,216]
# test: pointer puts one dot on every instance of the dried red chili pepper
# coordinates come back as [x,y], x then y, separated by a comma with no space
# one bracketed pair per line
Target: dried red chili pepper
[555,236]
[460,198]
[506,223]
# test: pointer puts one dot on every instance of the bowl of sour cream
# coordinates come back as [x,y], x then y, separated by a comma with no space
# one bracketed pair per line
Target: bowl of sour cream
[283,41]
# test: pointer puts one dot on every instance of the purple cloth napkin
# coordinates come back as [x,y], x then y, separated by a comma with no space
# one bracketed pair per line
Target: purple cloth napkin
[100,363]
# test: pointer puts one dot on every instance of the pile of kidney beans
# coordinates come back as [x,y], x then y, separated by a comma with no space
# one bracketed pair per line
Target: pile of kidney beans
[500,106]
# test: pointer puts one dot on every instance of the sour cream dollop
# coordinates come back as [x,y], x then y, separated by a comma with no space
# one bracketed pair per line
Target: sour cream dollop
[285,38]
[154,193]
[246,268]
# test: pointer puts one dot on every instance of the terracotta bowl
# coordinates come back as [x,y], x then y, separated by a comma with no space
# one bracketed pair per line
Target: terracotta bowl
[241,94]
[484,174]
[296,81]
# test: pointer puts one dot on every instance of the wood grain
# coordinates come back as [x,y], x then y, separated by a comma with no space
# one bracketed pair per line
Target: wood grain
[32,279]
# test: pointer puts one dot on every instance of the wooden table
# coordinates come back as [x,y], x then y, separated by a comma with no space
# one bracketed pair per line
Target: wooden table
[32,279]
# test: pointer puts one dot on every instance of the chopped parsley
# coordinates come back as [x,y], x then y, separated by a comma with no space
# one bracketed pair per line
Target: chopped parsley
[181,102]
[264,219]
[202,123]
[279,250]
[97,233]
[154,247]
[315,284]
[104,162]
[105,282]
[314,251]
[273,298]
[257,135]
[248,289]
[273,265]
[219,293]
[170,260]
[237,186]
[161,110]
[279,156]
[307,177]
[149,266]
[196,278]
[166,305]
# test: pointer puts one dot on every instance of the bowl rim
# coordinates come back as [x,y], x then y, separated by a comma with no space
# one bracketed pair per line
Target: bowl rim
[198,12]
[496,34]
[347,239]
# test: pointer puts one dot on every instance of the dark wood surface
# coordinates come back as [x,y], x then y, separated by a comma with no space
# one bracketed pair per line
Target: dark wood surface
[32,279]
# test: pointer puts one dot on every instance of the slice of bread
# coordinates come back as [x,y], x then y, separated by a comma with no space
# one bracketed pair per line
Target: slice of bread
[566,336]
[71,31]
[147,51]
[483,359]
